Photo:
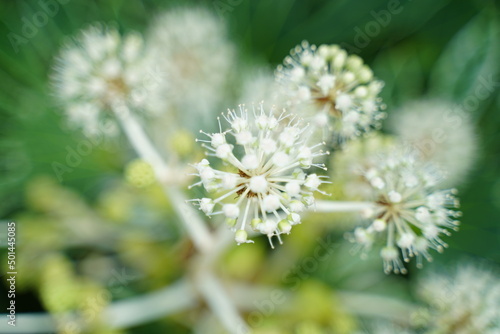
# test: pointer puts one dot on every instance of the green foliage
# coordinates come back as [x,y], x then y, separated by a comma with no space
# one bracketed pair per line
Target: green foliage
[440,48]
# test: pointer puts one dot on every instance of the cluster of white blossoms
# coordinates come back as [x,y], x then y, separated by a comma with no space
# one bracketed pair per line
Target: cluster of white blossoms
[100,68]
[465,302]
[356,157]
[268,159]
[101,74]
[335,88]
[441,133]
[407,210]
[193,50]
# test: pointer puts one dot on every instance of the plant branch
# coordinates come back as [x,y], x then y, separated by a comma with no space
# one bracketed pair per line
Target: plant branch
[138,310]
[358,303]
[140,141]
[340,206]
[133,311]
[218,300]
[195,226]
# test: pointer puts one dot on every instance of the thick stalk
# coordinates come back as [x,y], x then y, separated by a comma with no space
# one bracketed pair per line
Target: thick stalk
[359,303]
[220,303]
[134,311]
[140,141]
[339,206]
[195,226]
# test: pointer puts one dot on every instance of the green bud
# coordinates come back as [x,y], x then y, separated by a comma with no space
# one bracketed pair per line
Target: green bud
[284,226]
[241,236]
[231,222]
[255,222]
[354,62]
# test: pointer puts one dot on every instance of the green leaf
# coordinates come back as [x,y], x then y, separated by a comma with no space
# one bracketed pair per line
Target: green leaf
[469,61]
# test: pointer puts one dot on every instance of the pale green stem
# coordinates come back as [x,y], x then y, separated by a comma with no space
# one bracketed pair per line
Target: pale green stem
[359,303]
[195,226]
[220,303]
[140,141]
[134,311]
[340,206]
[146,308]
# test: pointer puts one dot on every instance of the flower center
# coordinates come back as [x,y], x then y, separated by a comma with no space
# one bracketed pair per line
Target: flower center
[115,88]
[258,184]
[326,101]
[117,85]
[391,209]
[255,185]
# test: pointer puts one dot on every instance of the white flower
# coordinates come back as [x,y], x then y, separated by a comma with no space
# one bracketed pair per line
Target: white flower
[465,302]
[326,81]
[100,68]
[440,132]
[409,213]
[241,237]
[270,190]
[206,205]
[197,57]
[353,160]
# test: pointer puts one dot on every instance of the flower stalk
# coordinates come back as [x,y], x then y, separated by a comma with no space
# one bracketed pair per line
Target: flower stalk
[341,206]
[196,227]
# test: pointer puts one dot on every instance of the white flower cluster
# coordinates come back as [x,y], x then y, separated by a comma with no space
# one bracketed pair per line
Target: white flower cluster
[101,73]
[268,179]
[100,68]
[356,157]
[407,209]
[466,302]
[441,133]
[193,51]
[336,88]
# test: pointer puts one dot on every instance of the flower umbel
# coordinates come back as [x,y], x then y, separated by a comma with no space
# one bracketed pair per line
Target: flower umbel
[268,177]
[184,40]
[336,88]
[465,302]
[100,68]
[448,141]
[407,208]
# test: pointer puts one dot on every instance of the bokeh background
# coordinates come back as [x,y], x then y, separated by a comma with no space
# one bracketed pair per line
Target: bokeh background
[98,230]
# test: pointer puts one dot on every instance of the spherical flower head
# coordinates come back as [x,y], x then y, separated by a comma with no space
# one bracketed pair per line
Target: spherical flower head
[439,132]
[99,69]
[336,89]
[409,212]
[353,161]
[267,185]
[196,54]
[465,301]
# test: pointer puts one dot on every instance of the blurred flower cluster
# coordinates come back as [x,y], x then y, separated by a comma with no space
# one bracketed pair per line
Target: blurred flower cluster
[220,165]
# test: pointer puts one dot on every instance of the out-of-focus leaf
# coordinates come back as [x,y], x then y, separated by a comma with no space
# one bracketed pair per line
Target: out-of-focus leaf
[401,70]
[470,60]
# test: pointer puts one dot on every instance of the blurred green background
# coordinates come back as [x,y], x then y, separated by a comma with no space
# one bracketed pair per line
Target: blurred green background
[441,48]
